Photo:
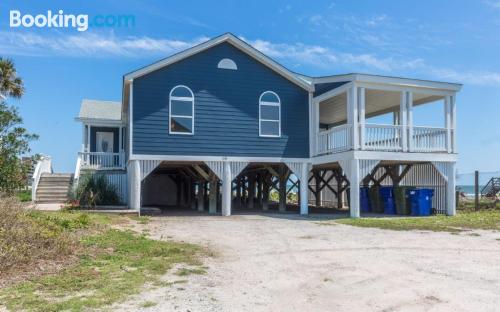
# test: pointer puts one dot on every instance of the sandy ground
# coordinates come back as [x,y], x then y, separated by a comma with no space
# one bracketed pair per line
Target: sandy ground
[277,262]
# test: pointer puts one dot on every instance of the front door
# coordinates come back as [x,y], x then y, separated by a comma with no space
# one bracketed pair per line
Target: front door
[104,142]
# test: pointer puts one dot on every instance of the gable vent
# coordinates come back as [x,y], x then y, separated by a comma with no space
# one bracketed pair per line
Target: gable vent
[227,64]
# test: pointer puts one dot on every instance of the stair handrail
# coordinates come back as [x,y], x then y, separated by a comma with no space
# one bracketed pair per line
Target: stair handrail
[44,165]
[490,185]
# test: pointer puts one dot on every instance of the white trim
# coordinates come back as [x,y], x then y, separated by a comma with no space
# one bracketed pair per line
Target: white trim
[101,122]
[236,42]
[273,104]
[379,155]
[130,118]
[395,81]
[227,63]
[312,123]
[216,158]
[182,99]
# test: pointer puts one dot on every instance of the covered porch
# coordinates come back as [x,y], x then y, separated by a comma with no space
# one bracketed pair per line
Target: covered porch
[103,136]
[373,113]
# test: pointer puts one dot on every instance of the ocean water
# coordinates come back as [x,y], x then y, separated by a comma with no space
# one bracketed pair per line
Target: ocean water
[468,189]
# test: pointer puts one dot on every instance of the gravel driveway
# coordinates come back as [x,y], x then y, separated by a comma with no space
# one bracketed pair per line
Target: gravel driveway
[280,262]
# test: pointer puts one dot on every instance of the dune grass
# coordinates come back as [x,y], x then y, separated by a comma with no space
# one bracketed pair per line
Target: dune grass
[464,220]
[111,264]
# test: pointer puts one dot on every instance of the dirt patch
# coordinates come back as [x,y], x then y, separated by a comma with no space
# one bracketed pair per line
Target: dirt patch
[288,263]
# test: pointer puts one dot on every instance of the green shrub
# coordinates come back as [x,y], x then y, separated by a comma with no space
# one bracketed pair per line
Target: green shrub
[25,239]
[24,195]
[94,189]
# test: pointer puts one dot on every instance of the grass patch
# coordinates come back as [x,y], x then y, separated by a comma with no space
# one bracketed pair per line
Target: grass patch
[148,304]
[24,195]
[188,271]
[108,264]
[120,263]
[484,220]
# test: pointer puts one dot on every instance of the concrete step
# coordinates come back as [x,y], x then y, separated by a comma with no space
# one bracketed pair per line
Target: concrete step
[51,192]
[50,201]
[58,175]
[55,180]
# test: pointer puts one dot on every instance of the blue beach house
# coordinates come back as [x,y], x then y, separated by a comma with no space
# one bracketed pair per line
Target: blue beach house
[221,127]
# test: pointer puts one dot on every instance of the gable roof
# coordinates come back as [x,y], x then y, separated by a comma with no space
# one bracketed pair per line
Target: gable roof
[236,42]
[100,110]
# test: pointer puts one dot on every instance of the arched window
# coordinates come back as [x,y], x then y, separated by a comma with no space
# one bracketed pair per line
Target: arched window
[227,64]
[269,115]
[181,110]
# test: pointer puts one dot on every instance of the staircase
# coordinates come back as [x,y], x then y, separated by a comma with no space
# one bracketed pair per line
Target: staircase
[53,187]
[492,188]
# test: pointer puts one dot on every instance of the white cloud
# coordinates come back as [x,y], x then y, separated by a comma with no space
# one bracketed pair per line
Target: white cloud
[316,56]
[89,44]
[494,4]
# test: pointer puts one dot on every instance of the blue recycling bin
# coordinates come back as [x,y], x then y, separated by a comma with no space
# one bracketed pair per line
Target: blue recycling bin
[421,201]
[387,194]
[364,196]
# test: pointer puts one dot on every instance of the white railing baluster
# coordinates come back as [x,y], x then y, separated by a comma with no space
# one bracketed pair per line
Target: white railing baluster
[97,160]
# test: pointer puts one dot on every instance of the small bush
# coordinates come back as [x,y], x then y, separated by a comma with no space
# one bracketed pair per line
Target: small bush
[25,239]
[95,190]
[24,195]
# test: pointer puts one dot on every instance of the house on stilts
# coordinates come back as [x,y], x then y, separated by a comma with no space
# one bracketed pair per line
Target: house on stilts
[220,127]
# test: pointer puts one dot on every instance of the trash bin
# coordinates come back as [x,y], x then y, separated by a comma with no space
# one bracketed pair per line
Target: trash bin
[421,201]
[402,199]
[364,199]
[387,194]
[376,203]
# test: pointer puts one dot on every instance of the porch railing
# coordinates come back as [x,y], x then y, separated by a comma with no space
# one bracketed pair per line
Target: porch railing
[378,137]
[383,137]
[336,139]
[429,139]
[96,160]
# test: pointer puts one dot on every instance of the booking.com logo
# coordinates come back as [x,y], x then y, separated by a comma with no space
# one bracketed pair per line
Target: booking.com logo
[60,20]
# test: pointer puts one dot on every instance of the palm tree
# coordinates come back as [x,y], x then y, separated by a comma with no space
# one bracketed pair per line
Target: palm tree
[10,83]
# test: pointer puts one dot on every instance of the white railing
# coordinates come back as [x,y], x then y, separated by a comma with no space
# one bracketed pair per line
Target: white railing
[429,139]
[44,165]
[96,160]
[336,139]
[383,137]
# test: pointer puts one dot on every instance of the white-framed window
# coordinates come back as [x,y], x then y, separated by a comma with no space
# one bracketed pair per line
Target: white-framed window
[181,110]
[227,63]
[269,115]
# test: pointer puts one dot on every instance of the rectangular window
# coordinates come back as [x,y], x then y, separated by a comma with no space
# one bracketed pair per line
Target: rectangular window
[269,121]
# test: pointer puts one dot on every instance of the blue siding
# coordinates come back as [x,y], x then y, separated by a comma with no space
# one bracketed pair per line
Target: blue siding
[226,109]
[321,88]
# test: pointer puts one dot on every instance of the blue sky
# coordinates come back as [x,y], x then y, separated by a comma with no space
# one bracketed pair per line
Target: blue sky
[438,40]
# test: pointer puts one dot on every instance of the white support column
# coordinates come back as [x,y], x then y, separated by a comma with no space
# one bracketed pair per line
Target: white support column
[453,111]
[83,138]
[362,118]
[450,190]
[312,125]
[316,126]
[352,116]
[354,181]
[410,120]
[304,188]
[447,122]
[403,121]
[88,138]
[226,190]
[136,185]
